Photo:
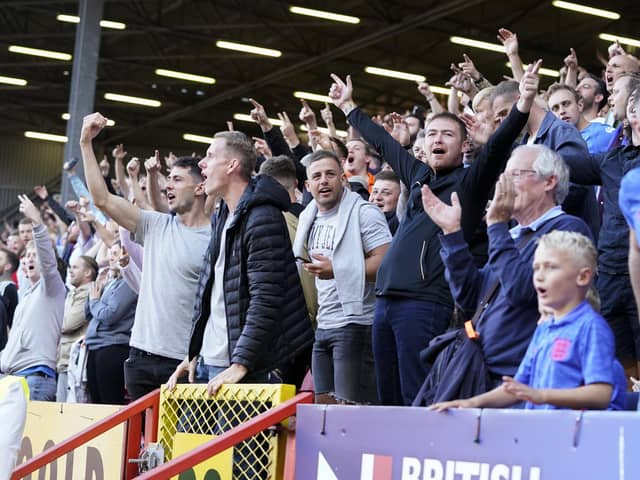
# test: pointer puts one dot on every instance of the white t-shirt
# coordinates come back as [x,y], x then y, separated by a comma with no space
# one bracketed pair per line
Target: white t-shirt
[374,233]
[172,260]
[215,344]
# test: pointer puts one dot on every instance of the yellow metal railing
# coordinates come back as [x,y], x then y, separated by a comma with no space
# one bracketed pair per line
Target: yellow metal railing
[188,412]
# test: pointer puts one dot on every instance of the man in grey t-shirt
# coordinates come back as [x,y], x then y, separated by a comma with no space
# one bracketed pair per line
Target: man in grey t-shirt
[347,238]
[174,248]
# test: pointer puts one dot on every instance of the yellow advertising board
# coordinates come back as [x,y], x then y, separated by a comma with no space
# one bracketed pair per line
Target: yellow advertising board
[49,423]
[219,467]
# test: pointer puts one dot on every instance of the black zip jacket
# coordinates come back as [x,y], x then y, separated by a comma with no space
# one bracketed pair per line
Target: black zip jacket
[267,320]
[412,266]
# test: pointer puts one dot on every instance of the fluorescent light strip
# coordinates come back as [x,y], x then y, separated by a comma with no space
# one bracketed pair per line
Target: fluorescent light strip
[336,17]
[576,7]
[146,102]
[247,118]
[191,137]
[103,23]
[342,133]
[68,18]
[314,97]
[36,52]
[241,47]
[547,72]
[395,74]
[440,90]
[113,25]
[110,123]
[470,42]
[185,76]
[624,40]
[45,136]
[20,82]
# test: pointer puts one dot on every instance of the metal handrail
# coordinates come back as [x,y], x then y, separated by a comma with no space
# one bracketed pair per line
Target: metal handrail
[149,403]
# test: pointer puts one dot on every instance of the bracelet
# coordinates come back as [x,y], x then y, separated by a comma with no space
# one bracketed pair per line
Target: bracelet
[431,99]
[479,81]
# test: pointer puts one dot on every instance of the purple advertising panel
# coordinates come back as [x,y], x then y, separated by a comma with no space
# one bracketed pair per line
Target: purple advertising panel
[404,443]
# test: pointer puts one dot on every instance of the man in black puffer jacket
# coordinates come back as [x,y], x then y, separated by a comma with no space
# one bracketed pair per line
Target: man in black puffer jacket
[250,314]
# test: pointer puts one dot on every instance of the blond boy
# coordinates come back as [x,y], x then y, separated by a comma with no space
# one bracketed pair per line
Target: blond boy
[570,362]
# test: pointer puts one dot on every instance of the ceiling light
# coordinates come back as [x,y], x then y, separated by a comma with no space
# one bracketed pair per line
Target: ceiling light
[624,40]
[440,90]
[13,81]
[470,42]
[395,74]
[40,53]
[342,133]
[548,72]
[315,97]
[576,7]
[241,47]
[185,76]
[247,118]
[190,137]
[147,102]
[68,18]
[113,25]
[110,123]
[46,136]
[103,23]
[336,17]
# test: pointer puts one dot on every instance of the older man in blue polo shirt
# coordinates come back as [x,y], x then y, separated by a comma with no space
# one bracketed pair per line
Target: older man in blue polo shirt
[531,190]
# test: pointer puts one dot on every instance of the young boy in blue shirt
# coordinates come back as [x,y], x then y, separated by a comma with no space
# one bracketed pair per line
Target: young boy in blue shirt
[570,362]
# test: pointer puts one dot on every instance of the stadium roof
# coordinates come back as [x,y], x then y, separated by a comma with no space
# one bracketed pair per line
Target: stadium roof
[179,35]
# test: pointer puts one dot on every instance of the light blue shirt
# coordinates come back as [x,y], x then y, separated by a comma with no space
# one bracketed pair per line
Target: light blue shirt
[554,212]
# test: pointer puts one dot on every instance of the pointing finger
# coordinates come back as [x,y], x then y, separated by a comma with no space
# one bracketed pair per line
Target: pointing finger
[338,80]
[536,66]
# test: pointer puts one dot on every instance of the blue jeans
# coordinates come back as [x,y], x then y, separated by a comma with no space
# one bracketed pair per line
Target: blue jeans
[618,307]
[342,363]
[41,388]
[402,328]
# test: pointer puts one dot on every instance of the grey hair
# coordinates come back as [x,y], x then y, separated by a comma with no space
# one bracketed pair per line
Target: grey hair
[549,163]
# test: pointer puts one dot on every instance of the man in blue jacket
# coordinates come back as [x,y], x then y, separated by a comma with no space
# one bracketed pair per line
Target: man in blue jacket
[413,301]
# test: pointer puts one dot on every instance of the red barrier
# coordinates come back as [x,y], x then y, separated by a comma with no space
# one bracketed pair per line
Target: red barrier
[132,414]
[227,439]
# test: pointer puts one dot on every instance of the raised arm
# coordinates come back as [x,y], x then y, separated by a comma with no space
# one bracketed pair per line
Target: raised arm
[402,162]
[133,169]
[493,156]
[47,261]
[327,118]
[510,42]
[434,104]
[154,196]
[58,209]
[571,62]
[119,155]
[123,212]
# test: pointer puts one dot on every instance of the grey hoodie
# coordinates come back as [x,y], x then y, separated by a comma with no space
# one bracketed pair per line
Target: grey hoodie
[37,321]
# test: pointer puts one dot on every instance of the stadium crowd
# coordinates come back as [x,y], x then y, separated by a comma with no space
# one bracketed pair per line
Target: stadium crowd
[482,254]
